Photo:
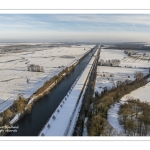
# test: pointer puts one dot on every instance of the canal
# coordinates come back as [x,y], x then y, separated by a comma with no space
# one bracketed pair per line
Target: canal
[31,124]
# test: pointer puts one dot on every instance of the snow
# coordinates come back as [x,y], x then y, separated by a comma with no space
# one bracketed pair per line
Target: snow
[142,93]
[137,61]
[15,119]
[85,133]
[119,70]
[129,63]
[30,101]
[107,76]
[128,67]
[71,125]
[66,117]
[112,118]
[117,74]
[14,72]
[108,54]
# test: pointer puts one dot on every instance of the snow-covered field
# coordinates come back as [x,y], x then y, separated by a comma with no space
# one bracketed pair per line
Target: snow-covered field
[107,77]
[125,61]
[108,54]
[14,74]
[135,63]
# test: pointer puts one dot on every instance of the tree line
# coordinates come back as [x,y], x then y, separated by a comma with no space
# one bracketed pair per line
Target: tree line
[97,114]
[18,107]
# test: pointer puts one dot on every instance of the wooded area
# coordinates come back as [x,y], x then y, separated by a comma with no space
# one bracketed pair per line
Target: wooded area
[97,114]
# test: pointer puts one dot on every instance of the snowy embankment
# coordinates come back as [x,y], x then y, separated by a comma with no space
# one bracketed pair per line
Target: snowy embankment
[63,120]
[14,74]
[15,119]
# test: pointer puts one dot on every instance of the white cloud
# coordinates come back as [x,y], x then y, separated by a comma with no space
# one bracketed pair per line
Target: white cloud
[91,28]
[131,19]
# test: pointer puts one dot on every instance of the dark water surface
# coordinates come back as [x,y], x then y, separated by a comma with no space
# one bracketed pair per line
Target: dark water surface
[31,124]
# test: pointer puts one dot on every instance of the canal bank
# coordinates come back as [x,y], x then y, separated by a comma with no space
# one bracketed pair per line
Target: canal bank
[32,123]
[78,131]
[63,120]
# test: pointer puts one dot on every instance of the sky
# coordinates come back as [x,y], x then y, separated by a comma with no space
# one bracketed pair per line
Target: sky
[74,28]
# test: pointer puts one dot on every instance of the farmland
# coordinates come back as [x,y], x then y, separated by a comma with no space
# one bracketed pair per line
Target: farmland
[108,76]
[119,69]
[14,61]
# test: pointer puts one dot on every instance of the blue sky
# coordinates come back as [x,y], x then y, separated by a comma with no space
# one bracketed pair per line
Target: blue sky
[74,28]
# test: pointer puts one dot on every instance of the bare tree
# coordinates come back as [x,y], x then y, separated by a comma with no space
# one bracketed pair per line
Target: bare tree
[138,75]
